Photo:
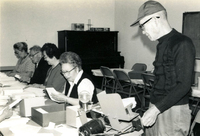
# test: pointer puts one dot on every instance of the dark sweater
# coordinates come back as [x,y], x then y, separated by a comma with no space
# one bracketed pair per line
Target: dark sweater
[40,72]
[74,92]
[174,66]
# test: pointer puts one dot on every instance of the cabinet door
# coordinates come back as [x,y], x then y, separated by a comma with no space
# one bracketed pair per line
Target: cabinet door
[191,28]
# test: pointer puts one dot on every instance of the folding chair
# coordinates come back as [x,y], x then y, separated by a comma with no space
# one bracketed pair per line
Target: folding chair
[108,81]
[194,104]
[196,120]
[137,70]
[124,85]
[139,67]
[148,79]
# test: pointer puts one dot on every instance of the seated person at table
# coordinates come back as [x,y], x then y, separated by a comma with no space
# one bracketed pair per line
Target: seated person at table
[79,81]
[54,78]
[7,113]
[24,67]
[42,66]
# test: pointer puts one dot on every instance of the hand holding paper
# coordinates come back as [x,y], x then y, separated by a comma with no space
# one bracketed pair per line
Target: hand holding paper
[54,95]
[7,112]
[9,107]
[59,97]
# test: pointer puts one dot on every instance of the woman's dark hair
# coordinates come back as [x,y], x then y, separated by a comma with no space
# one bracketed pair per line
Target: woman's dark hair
[51,50]
[21,46]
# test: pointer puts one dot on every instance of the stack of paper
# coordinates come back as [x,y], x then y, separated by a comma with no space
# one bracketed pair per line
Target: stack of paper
[4,100]
[23,95]
[37,91]
[9,91]
[11,83]
[4,78]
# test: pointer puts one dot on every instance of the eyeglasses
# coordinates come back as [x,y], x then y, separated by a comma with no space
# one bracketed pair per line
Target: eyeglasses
[31,56]
[64,72]
[142,25]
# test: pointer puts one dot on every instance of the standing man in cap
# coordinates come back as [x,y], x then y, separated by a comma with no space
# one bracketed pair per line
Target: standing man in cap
[168,113]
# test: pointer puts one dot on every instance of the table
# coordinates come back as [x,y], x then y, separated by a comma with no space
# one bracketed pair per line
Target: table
[195,92]
[22,126]
[97,72]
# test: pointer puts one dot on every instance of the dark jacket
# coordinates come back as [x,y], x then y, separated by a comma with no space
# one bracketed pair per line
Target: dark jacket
[40,72]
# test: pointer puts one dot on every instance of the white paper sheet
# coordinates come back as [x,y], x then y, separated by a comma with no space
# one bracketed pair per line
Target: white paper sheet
[11,122]
[41,110]
[51,91]
[11,90]
[127,101]
[25,129]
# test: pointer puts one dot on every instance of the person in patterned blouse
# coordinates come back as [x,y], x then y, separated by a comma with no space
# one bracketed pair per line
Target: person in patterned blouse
[24,68]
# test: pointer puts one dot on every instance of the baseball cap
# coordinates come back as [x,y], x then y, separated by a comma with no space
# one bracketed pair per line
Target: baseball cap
[148,8]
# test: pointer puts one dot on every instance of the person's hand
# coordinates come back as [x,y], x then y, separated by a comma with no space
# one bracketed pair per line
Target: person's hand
[150,116]
[7,113]
[59,97]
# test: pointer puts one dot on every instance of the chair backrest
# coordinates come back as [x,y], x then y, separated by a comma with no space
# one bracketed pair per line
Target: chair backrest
[121,75]
[196,120]
[106,71]
[148,79]
[139,67]
[124,84]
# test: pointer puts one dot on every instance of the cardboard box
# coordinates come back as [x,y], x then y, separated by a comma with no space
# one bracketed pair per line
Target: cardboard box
[74,117]
[43,115]
[26,105]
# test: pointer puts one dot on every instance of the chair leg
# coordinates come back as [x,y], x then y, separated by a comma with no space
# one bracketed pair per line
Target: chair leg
[102,84]
[130,90]
[137,94]
[195,109]
[143,100]
[113,89]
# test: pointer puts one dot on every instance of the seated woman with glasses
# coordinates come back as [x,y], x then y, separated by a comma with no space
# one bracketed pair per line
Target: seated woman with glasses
[79,81]
[24,68]
[53,78]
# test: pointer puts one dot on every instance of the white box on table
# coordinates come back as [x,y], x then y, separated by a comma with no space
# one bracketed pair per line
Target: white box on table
[26,105]
[74,117]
